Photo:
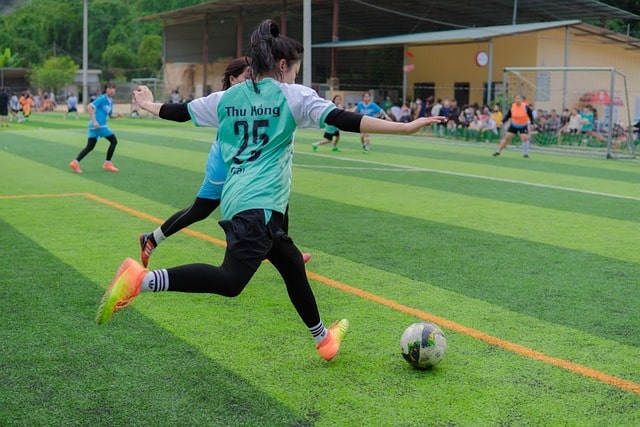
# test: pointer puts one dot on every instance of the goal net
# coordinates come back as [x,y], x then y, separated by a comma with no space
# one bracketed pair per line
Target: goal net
[555,91]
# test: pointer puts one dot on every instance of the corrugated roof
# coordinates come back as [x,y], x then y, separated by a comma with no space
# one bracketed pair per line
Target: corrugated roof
[450,36]
[379,18]
[484,33]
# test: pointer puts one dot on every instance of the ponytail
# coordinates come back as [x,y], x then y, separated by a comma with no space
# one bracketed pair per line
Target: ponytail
[268,47]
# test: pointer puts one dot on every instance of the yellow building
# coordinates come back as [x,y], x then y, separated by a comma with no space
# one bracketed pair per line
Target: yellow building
[463,64]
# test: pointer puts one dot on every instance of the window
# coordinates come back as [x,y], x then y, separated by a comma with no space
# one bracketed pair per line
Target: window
[424,90]
[461,93]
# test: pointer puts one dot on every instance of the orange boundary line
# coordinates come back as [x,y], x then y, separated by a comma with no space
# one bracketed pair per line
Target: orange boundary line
[446,323]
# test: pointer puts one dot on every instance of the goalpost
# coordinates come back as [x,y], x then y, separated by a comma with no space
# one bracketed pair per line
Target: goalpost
[561,88]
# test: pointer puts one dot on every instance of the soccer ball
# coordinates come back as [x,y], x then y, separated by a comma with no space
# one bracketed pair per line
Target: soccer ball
[423,345]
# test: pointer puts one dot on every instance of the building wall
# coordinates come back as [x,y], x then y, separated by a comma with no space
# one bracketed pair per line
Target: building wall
[447,64]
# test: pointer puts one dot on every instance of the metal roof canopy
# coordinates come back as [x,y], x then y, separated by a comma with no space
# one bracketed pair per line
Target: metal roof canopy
[411,15]
[451,36]
[484,33]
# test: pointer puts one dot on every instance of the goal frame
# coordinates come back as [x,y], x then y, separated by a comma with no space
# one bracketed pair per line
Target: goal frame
[612,79]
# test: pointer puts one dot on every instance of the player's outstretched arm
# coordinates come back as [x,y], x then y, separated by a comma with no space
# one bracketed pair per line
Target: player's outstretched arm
[174,112]
[144,98]
[373,125]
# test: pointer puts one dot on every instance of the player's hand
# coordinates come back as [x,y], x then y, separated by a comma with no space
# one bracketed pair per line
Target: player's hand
[142,94]
[436,119]
[421,122]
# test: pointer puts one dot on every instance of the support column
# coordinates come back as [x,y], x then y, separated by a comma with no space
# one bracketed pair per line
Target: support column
[205,54]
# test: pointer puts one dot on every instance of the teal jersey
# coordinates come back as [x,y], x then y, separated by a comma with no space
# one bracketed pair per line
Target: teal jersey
[256,132]
[589,117]
[330,129]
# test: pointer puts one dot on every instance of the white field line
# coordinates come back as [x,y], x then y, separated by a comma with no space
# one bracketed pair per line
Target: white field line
[394,167]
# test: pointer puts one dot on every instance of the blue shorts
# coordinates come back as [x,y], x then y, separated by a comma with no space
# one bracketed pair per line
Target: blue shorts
[215,174]
[102,131]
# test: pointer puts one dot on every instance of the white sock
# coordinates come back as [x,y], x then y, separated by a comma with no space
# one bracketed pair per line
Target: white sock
[155,281]
[158,235]
[319,332]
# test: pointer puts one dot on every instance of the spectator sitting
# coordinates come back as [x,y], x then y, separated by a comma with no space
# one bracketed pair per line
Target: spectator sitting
[454,117]
[553,123]
[395,113]
[46,104]
[474,129]
[405,113]
[489,127]
[497,116]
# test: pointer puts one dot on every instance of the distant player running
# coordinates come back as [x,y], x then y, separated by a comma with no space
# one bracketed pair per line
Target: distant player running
[99,110]
[331,133]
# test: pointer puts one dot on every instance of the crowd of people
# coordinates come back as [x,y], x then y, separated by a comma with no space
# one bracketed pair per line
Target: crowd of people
[18,107]
[574,126]
[14,108]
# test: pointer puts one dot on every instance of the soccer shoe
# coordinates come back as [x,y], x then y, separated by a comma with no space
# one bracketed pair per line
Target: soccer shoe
[147,246]
[75,166]
[306,258]
[123,289]
[336,149]
[108,166]
[315,147]
[330,347]
[497,153]
[526,156]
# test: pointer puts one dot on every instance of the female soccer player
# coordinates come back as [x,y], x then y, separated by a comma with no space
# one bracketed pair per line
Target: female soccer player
[256,122]
[371,109]
[99,110]
[519,116]
[208,198]
[331,133]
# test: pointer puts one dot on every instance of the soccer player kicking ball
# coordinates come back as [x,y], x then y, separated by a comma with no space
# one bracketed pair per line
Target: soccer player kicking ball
[256,121]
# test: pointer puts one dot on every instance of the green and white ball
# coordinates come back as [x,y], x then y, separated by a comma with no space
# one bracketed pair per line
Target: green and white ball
[423,345]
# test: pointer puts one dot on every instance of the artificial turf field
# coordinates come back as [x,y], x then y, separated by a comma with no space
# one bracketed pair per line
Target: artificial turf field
[530,266]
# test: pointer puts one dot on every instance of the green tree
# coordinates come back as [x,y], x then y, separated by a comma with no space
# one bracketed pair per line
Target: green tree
[119,56]
[150,53]
[54,73]
[7,59]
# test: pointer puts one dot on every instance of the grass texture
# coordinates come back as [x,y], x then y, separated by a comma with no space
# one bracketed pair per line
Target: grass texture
[530,266]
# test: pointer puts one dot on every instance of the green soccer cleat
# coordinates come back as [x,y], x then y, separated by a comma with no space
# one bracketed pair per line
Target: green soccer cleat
[330,347]
[123,289]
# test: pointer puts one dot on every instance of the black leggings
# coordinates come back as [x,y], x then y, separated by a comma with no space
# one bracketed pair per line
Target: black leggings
[234,274]
[199,210]
[91,144]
